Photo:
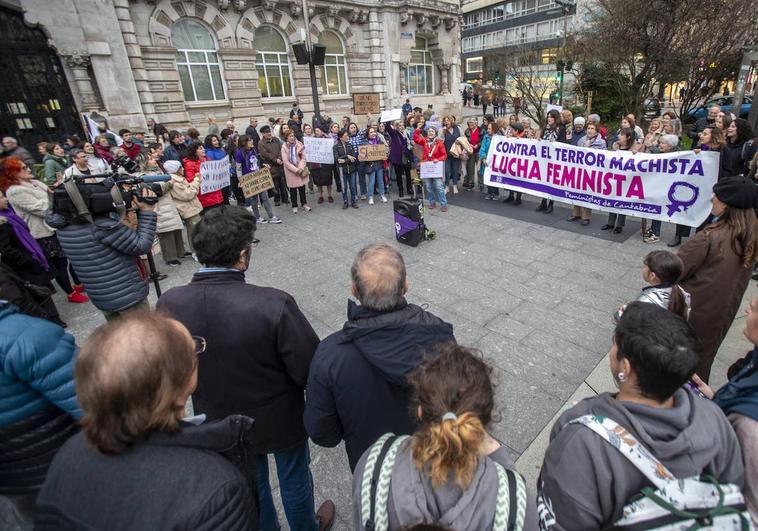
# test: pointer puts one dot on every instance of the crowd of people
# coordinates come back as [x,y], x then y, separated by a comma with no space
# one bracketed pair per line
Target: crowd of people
[412,406]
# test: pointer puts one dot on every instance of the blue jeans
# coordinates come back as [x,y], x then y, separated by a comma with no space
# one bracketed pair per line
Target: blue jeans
[348,185]
[361,177]
[655,227]
[433,185]
[295,486]
[452,170]
[376,176]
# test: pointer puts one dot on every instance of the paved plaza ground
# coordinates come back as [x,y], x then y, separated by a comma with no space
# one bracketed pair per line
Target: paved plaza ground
[535,299]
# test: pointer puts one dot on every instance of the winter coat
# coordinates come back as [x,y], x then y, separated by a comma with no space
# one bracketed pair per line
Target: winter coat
[357,388]
[104,152]
[412,499]
[269,152]
[592,143]
[191,169]
[97,165]
[290,168]
[21,153]
[585,482]
[105,256]
[31,201]
[37,397]
[212,153]
[434,151]
[259,349]
[198,478]
[398,145]
[184,195]
[174,152]
[15,255]
[341,151]
[475,138]
[715,278]
[168,215]
[736,157]
[54,165]
[132,151]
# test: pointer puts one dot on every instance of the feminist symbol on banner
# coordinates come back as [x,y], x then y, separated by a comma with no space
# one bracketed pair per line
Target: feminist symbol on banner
[678,204]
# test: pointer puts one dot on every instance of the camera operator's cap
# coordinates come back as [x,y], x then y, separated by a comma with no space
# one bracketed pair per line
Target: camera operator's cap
[172,166]
[737,192]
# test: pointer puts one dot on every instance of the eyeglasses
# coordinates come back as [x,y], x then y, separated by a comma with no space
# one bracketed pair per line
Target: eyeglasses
[200,344]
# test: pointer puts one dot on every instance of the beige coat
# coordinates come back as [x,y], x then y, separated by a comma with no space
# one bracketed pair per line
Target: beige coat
[290,170]
[31,201]
[184,195]
[168,215]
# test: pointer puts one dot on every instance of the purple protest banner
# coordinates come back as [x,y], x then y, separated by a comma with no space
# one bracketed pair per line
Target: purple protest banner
[674,187]
[404,224]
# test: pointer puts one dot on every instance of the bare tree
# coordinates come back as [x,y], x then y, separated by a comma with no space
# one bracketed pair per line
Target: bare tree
[658,41]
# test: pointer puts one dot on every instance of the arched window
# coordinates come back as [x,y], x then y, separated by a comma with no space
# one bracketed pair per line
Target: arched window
[334,71]
[197,61]
[419,74]
[272,62]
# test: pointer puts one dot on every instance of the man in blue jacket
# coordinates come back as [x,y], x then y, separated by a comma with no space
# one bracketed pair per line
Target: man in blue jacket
[357,388]
[38,406]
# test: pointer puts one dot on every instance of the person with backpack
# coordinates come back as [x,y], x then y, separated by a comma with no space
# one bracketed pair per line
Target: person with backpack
[605,450]
[451,471]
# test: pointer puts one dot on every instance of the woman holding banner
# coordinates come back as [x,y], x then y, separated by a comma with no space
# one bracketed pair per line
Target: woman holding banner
[591,140]
[192,164]
[554,132]
[321,174]
[432,150]
[718,262]
[627,142]
[246,159]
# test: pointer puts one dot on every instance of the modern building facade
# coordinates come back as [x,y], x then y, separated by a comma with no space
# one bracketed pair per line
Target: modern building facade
[179,61]
[525,33]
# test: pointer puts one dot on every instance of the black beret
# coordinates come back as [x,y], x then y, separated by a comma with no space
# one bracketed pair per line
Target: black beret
[737,192]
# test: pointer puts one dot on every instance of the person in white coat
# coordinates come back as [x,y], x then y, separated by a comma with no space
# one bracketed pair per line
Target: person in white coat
[169,227]
[184,195]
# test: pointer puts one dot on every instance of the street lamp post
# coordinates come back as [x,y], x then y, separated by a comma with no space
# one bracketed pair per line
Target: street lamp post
[311,63]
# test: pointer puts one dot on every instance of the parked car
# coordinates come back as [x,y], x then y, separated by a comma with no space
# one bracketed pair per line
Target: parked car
[725,102]
[651,108]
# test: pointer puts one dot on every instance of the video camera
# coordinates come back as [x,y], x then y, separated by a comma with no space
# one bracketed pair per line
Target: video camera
[103,193]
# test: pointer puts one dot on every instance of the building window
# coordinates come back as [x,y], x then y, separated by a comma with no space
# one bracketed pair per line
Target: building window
[474,64]
[272,63]
[548,56]
[419,74]
[334,71]
[197,61]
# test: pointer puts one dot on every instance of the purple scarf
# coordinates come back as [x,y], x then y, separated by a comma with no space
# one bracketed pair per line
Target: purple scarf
[25,237]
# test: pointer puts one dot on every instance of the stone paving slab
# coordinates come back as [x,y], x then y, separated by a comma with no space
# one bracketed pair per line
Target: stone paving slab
[536,300]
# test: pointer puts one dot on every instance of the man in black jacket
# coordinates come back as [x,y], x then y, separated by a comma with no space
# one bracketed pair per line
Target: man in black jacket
[259,350]
[357,387]
[252,131]
[698,127]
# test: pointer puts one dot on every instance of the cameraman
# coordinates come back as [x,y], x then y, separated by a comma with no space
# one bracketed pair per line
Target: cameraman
[105,255]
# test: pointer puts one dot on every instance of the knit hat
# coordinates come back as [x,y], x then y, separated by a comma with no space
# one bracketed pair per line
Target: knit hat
[578,120]
[172,166]
[737,192]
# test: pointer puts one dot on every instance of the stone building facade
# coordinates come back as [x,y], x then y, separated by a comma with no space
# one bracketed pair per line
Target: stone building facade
[178,61]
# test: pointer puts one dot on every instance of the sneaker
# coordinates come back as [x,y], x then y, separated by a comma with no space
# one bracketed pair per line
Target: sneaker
[354,205]
[447,189]
[320,200]
[443,209]
[307,208]
[194,257]
[651,238]
[79,288]
[384,199]
[330,199]
[432,206]
[294,210]
[371,200]
[275,220]
[77,298]
[173,263]
[325,516]
[261,221]
[455,189]
[363,197]
[344,205]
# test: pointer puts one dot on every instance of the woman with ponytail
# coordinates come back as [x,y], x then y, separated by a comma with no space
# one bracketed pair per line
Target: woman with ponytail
[450,472]
[661,270]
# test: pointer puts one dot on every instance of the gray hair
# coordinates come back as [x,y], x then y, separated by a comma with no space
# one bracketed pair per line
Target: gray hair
[671,140]
[378,274]
[593,118]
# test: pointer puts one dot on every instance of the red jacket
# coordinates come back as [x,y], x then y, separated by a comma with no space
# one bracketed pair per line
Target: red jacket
[192,168]
[436,152]
[131,151]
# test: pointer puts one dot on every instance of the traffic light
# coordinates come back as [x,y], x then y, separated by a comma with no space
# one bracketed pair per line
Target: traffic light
[497,75]
[558,76]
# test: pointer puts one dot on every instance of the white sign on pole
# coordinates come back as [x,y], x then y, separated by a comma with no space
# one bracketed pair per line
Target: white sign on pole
[391,115]
[318,150]
[214,174]
[432,170]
